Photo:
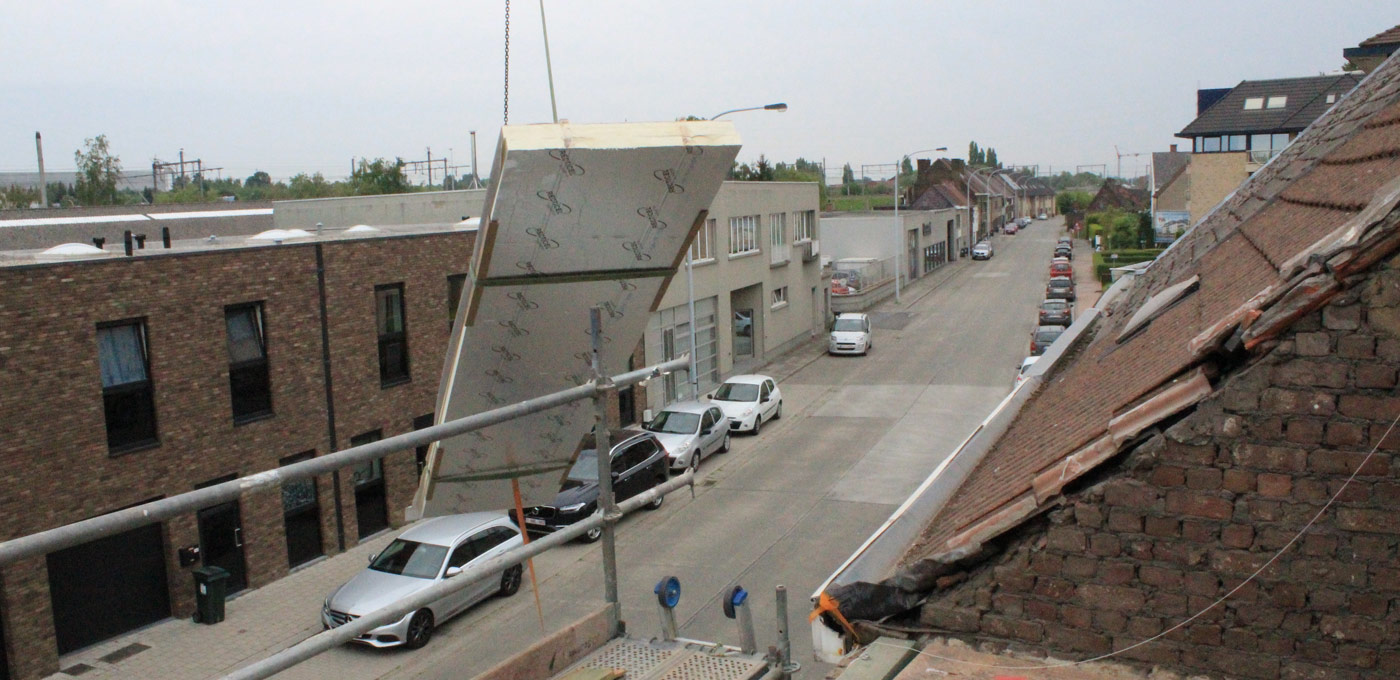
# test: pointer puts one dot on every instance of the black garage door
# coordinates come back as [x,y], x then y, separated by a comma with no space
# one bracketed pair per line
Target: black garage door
[107,587]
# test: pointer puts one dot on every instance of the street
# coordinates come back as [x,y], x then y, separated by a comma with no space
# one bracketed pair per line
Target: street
[787,507]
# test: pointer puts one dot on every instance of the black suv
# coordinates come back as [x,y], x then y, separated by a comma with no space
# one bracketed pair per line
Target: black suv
[638,463]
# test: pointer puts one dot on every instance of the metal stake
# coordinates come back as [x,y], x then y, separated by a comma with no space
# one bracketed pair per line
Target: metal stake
[603,449]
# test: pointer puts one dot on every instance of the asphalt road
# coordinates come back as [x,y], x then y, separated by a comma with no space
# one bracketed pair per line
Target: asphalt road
[857,435]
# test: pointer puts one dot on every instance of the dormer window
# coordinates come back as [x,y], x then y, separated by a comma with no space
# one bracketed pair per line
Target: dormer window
[1253,103]
[1277,102]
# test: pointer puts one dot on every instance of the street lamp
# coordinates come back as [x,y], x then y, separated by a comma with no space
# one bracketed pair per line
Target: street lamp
[899,228]
[690,276]
[779,107]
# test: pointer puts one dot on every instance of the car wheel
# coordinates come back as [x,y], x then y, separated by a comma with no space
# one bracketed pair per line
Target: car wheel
[724,448]
[592,535]
[778,413]
[510,580]
[694,461]
[656,504]
[420,629]
[757,424]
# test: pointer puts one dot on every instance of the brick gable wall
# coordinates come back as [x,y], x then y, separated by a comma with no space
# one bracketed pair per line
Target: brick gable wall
[1166,530]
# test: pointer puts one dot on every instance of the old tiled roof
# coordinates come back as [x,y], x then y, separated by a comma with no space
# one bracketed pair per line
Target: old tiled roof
[939,196]
[1389,36]
[1307,99]
[1166,165]
[1115,194]
[1323,210]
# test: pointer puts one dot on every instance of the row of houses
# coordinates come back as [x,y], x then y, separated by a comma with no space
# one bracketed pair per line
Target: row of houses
[153,352]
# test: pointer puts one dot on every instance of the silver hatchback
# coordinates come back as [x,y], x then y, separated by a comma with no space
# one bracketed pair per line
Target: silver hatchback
[690,431]
[430,552]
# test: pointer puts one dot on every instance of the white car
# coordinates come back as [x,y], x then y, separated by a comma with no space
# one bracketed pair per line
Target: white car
[850,335]
[428,553]
[1041,216]
[749,400]
[690,431]
[1026,364]
[982,251]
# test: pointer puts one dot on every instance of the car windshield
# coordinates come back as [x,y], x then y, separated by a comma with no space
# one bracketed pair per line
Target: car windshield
[737,392]
[1056,306]
[410,558]
[674,422]
[585,469]
[1060,283]
[1046,337]
[853,325]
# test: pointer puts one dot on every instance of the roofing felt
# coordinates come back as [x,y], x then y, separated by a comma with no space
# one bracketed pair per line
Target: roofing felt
[1307,99]
[1332,195]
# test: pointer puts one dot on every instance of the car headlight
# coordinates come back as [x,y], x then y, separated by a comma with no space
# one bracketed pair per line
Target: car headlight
[572,508]
[749,411]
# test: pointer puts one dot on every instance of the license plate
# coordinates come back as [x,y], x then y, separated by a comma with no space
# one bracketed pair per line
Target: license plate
[534,520]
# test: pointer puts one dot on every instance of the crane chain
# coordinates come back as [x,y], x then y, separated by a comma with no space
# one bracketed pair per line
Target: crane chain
[505,116]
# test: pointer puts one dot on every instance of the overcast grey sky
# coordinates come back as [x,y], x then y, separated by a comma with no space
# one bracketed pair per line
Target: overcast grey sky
[296,86]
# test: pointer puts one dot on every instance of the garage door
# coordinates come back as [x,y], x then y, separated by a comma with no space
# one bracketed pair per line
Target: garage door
[107,587]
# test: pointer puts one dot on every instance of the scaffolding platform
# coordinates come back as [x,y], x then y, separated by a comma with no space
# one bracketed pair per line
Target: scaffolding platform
[668,660]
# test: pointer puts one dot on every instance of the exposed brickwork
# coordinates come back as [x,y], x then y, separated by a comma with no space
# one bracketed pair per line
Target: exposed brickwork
[1190,515]
[57,467]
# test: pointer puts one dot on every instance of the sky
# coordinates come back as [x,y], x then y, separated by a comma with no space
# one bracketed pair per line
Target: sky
[307,85]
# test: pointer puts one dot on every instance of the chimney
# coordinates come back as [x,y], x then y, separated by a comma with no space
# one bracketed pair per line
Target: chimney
[1173,148]
[140,241]
[98,241]
[165,236]
[126,242]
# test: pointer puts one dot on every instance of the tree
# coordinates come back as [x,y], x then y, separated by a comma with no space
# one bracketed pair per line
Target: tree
[848,176]
[907,167]
[98,171]
[992,158]
[379,177]
[763,171]
[974,154]
[258,179]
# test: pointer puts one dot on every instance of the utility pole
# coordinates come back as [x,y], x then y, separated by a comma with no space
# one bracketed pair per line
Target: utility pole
[476,179]
[43,179]
[430,166]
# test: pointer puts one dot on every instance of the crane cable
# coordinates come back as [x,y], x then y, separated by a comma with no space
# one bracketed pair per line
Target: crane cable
[505,115]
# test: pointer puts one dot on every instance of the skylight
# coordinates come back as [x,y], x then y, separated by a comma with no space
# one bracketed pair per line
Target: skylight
[1278,102]
[1253,103]
[1331,99]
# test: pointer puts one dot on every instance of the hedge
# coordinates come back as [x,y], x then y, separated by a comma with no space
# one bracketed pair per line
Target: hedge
[1102,263]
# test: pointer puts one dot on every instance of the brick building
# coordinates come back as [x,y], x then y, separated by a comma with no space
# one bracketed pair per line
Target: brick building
[1199,476]
[133,378]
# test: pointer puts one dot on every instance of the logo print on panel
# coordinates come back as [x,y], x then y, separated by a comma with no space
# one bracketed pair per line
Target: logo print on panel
[555,205]
[542,240]
[668,176]
[649,213]
[566,163]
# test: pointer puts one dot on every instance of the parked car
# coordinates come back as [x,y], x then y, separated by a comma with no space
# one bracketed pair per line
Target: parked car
[1026,364]
[749,401]
[1043,337]
[638,463]
[1009,228]
[428,553]
[982,251]
[690,431]
[1041,216]
[850,335]
[1058,268]
[1060,288]
[1063,250]
[1023,222]
[1056,313]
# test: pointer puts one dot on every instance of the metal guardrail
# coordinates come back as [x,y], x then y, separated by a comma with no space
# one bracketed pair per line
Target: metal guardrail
[67,536]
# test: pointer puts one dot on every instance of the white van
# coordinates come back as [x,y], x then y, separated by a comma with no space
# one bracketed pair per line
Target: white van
[850,335]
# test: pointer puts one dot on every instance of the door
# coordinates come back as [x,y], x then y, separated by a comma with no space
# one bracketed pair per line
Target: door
[486,545]
[107,587]
[301,516]
[461,556]
[743,333]
[709,437]
[371,495]
[221,542]
[627,463]
[765,404]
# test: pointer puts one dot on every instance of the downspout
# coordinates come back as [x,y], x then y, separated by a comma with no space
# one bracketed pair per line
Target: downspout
[330,394]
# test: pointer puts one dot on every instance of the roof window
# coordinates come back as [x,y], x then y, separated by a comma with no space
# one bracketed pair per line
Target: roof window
[1156,305]
[1253,103]
[1331,99]
[1277,102]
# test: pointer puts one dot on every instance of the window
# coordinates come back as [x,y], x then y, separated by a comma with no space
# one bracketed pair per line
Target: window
[703,248]
[1253,103]
[248,380]
[780,297]
[778,250]
[1331,99]
[806,227]
[1233,143]
[455,284]
[1209,144]
[1277,102]
[393,336]
[743,235]
[128,399]
[301,515]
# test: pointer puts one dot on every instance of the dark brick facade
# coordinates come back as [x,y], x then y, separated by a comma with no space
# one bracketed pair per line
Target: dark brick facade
[56,467]
[1164,531]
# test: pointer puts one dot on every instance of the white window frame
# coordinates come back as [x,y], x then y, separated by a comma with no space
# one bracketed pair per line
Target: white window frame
[743,235]
[779,250]
[779,298]
[1253,103]
[1278,101]
[805,228]
[703,248]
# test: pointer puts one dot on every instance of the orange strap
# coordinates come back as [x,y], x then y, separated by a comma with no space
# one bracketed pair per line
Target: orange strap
[525,535]
[827,603]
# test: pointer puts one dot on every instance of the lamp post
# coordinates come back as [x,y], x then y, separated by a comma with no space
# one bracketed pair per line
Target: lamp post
[690,275]
[898,227]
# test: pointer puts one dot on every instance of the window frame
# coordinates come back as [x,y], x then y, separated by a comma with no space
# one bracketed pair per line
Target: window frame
[743,235]
[387,339]
[1253,103]
[702,249]
[147,385]
[778,298]
[806,226]
[244,366]
[1276,101]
